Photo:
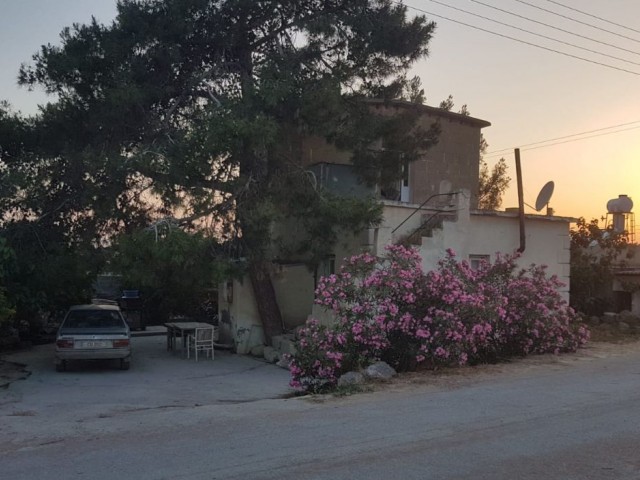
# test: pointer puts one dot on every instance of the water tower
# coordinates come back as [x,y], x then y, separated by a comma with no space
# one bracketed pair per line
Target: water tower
[620,218]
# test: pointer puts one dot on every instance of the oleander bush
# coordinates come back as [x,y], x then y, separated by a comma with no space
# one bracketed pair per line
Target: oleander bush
[387,308]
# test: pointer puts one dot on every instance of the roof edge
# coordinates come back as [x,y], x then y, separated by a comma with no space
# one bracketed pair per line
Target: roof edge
[435,111]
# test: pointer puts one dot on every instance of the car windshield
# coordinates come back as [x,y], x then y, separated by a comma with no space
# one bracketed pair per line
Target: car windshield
[93,319]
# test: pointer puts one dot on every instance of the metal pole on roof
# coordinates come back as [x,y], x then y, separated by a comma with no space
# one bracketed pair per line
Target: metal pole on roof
[520,201]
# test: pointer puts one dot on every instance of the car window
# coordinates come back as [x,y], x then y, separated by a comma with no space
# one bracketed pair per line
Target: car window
[93,319]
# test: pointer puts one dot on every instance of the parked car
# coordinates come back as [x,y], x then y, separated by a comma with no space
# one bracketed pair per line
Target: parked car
[93,332]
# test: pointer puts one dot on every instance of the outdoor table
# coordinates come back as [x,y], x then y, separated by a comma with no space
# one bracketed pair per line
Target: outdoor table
[182,329]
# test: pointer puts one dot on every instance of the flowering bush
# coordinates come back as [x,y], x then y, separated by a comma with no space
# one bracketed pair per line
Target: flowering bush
[388,309]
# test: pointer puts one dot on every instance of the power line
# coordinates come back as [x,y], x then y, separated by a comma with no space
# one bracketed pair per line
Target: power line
[593,16]
[524,148]
[534,33]
[577,21]
[569,136]
[555,28]
[523,41]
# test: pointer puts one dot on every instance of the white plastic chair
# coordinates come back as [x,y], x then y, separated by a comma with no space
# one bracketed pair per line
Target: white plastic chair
[201,340]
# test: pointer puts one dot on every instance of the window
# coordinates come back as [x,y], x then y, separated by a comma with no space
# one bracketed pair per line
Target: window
[476,260]
[327,267]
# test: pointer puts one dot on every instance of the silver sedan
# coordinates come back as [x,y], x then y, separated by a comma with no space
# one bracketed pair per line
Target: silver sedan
[93,332]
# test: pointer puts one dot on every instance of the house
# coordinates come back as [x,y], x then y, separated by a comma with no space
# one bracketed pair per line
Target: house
[434,207]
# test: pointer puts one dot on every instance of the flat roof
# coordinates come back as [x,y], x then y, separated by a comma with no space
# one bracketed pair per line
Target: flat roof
[530,216]
[433,111]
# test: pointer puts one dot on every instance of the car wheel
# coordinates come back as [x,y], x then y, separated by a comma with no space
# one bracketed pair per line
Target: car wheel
[125,364]
[62,366]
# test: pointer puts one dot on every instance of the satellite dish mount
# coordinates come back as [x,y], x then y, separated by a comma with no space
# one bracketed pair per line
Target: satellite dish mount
[544,196]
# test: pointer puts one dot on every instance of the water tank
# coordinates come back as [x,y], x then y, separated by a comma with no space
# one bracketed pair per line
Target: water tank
[622,204]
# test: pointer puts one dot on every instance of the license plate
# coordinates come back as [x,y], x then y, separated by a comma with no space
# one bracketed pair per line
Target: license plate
[94,344]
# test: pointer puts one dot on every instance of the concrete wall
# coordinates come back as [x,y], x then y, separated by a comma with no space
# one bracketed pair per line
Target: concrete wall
[239,320]
[465,231]
[294,286]
[470,232]
[454,160]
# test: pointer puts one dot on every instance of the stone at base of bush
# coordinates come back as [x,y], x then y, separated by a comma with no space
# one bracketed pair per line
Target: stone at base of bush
[351,378]
[271,355]
[283,363]
[623,327]
[629,318]
[380,370]
[258,351]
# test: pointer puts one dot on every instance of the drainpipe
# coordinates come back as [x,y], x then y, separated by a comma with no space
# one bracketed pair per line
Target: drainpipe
[520,201]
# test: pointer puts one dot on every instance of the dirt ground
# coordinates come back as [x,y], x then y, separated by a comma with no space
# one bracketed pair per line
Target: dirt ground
[604,343]
[10,372]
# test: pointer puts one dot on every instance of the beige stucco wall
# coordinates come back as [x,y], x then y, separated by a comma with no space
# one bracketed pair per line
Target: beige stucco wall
[294,287]
[294,290]
[239,320]
[484,233]
[455,159]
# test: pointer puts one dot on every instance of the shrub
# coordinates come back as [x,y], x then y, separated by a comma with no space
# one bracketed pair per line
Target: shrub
[387,309]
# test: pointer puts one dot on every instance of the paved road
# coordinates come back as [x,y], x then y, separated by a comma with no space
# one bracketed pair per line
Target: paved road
[574,417]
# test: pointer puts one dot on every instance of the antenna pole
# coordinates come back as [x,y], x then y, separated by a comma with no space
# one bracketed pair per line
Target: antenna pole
[520,201]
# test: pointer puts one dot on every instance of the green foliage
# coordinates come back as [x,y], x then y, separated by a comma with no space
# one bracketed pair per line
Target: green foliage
[492,184]
[42,274]
[313,219]
[594,254]
[6,308]
[199,106]
[175,271]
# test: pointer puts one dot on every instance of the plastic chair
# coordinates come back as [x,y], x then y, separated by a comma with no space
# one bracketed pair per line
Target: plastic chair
[201,340]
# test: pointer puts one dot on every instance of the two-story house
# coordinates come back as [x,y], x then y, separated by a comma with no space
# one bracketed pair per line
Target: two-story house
[434,207]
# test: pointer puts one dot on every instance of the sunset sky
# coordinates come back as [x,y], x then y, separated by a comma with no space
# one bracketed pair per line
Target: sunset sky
[529,94]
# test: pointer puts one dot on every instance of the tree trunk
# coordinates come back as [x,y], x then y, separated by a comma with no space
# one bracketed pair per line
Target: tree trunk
[266,301]
[254,164]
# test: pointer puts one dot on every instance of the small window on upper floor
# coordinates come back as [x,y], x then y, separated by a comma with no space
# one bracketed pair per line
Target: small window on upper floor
[476,260]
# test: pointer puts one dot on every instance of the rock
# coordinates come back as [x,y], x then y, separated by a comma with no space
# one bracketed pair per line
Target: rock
[284,343]
[630,318]
[380,370]
[351,378]
[258,351]
[271,355]
[624,327]
[609,317]
[594,320]
[283,363]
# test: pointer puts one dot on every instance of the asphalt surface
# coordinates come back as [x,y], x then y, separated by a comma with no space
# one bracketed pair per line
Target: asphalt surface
[572,417]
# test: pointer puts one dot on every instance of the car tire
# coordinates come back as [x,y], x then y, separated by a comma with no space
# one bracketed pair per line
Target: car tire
[125,364]
[61,367]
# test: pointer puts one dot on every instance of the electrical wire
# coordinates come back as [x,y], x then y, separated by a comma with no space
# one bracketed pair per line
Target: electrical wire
[555,28]
[521,41]
[576,21]
[534,33]
[523,148]
[568,136]
[593,16]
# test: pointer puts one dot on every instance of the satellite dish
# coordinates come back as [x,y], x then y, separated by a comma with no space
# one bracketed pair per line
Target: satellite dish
[544,196]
